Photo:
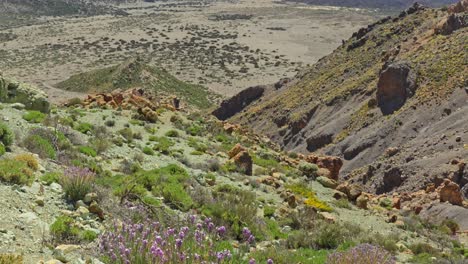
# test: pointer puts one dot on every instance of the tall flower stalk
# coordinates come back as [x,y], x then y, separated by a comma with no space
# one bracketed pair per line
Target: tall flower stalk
[77,182]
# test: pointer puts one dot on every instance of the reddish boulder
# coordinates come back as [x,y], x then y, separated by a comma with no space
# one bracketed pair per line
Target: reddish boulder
[244,162]
[333,164]
[236,150]
[450,192]
[459,7]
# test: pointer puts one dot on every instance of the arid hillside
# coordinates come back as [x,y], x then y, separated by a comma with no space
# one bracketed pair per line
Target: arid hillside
[385,4]
[391,101]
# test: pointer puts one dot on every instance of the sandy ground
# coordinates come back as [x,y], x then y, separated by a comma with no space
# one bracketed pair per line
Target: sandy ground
[256,42]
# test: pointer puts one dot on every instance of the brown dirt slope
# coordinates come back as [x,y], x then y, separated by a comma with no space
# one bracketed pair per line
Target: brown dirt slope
[396,83]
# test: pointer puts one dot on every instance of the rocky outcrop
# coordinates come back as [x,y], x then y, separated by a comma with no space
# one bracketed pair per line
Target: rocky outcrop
[243,162]
[392,178]
[453,22]
[459,7]
[450,192]
[133,99]
[241,157]
[234,105]
[333,164]
[397,82]
[12,91]
[318,141]
[238,148]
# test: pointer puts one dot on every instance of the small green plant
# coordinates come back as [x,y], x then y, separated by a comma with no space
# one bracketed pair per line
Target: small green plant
[148,151]
[126,133]
[34,116]
[63,229]
[195,130]
[386,203]
[172,133]
[308,169]
[269,211]
[41,146]
[342,203]
[163,144]
[88,235]
[51,177]
[88,151]
[2,149]
[6,135]
[84,128]
[110,123]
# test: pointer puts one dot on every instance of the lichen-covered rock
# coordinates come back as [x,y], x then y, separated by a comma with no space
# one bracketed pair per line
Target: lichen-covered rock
[12,91]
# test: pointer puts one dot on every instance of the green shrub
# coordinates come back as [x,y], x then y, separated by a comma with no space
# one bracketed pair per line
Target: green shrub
[386,203]
[266,163]
[41,146]
[148,151]
[16,172]
[88,151]
[198,146]
[63,229]
[269,211]
[34,117]
[110,123]
[74,101]
[274,229]
[2,149]
[172,133]
[88,235]
[6,136]
[84,128]
[234,208]
[342,203]
[29,159]
[332,235]
[175,195]
[51,177]
[195,130]
[419,248]
[163,144]
[308,169]
[127,133]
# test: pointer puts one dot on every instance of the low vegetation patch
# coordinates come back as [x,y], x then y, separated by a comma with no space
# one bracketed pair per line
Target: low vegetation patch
[15,172]
[34,117]
[311,198]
